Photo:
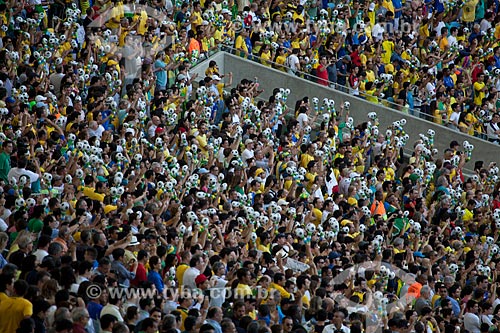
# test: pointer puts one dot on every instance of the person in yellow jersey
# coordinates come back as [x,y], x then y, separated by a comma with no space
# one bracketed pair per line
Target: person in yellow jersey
[480,89]
[244,280]
[388,47]
[17,306]
[278,283]
[240,44]
[265,242]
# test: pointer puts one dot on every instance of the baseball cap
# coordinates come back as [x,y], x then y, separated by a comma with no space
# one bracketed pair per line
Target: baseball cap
[347,57]
[40,98]
[259,171]
[181,77]
[216,77]
[371,8]
[418,254]
[282,202]
[200,279]
[226,11]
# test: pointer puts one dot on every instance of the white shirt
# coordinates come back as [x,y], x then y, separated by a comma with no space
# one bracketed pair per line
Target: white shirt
[247,153]
[152,130]
[452,40]
[189,276]
[97,132]
[112,310]
[40,254]
[491,128]
[485,25]
[438,28]
[472,323]
[331,329]
[454,118]
[17,173]
[302,119]
[377,32]
[218,292]
[293,62]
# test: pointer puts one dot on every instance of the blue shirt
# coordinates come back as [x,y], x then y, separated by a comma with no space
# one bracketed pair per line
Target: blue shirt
[398,5]
[161,75]
[123,275]
[3,262]
[438,5]
[94,310]
[155,278]
[448,82]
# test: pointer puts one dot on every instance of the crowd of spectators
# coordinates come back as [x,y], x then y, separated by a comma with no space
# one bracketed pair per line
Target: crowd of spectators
[138,197]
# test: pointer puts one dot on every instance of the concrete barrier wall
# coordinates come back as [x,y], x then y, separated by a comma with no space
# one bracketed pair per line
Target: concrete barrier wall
[202,66]
[270,78]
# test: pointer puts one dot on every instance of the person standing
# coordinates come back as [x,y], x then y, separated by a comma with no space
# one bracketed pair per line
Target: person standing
[7,146]
[322,72]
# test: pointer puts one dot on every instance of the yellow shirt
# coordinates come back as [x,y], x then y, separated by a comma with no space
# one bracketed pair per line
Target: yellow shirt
[266,57]
[370,96]
[115,14]
[179,273]
[240,44]
[388,4]
[305,159]
[388,47]
[469,11]
[264,248]
[283,292]
[443,43]
[143,20]
[243,290]
[370,75]
[479,95]
[280,60]
[198,20]
[17,309]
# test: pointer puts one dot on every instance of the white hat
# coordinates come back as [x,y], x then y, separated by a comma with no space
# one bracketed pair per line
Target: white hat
[216,77]
[130,130]
[40,98]
[226,11]
[282,202]
[371,8]
[133,241]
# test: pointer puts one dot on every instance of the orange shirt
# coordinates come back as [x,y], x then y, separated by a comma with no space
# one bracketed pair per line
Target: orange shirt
[193,45]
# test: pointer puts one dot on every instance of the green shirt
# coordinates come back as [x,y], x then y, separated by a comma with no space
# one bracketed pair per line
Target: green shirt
[4,166]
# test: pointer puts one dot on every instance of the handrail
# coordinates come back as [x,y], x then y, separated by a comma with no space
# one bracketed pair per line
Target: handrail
[336,86]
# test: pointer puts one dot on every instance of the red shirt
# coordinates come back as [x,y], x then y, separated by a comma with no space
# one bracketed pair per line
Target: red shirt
[78,328]
[322,75]
[140,275]
[355,59]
